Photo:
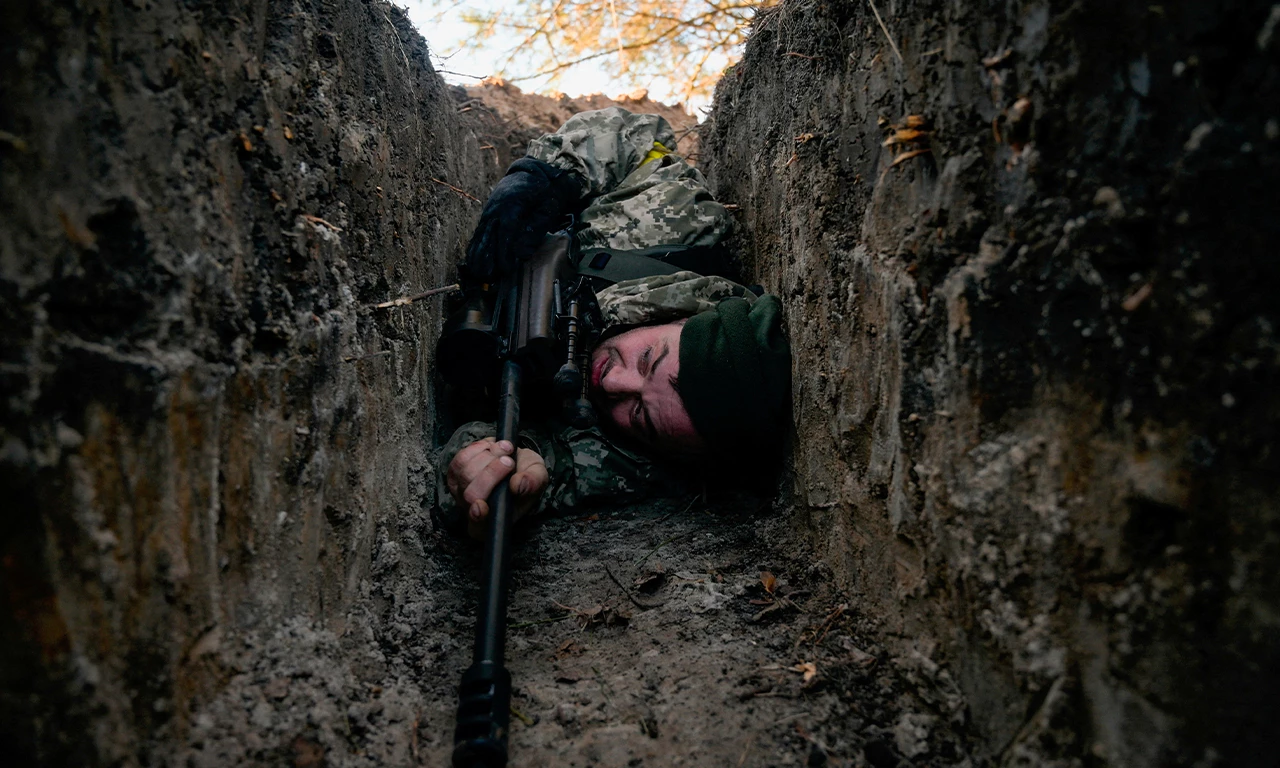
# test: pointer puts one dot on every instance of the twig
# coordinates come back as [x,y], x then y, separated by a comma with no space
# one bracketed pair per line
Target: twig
[627,592]
[886,32]
[318,220]
[523,717]
[461,74]
[667,516]
[802,55]
[551,620]
[830,621]
[403,300]
[604,686]
[358,358]
[464,193]
[660,546]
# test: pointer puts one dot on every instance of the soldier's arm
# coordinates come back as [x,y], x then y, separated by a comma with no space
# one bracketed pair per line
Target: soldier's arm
[583,466]
[603,146]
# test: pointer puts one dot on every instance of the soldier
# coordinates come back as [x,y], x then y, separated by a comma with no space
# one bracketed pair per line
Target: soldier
[691,366]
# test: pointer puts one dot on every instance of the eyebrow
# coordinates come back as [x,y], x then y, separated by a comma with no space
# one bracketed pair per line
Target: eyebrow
[666,347]
[653,369]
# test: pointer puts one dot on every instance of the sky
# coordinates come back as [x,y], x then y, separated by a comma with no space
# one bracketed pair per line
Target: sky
[465,67]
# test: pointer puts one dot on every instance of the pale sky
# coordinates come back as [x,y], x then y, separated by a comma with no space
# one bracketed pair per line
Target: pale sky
[443,37]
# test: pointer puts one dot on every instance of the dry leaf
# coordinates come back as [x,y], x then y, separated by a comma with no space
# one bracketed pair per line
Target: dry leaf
[914,121]
[650,581]
[768,581]
[808,669]
[905,156]
[1020,110]
[288,133]
[77,232]
[568,648]
[905,135]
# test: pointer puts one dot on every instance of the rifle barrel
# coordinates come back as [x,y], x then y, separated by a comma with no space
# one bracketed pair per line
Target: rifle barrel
[484,696]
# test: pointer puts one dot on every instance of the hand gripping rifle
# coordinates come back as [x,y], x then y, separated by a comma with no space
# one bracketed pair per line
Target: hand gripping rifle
[514,331]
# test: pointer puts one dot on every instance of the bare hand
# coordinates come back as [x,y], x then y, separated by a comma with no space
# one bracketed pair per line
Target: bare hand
[478,468]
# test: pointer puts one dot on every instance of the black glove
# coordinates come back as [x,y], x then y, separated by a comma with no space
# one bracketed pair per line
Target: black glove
[521,210]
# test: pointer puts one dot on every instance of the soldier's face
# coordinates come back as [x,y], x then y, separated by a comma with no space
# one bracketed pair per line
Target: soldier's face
[633,381]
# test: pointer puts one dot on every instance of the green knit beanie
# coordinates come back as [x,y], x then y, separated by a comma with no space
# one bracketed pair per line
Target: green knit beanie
[735,376]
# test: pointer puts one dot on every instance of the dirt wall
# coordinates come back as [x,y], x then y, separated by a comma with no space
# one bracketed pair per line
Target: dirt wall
[211,442]
[1024,250]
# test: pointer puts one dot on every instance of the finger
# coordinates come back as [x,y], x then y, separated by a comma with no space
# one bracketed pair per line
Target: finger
[463,471]
[531,475]
[469,452]
[476,463]
[478,512]
[487,479]
[473,469]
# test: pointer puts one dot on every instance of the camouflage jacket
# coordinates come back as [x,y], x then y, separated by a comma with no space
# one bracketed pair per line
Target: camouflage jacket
[642,196]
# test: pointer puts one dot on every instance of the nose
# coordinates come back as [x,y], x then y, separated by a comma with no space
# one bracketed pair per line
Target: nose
[621,380]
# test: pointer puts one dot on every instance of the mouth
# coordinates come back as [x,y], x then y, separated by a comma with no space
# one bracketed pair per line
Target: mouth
[598,370]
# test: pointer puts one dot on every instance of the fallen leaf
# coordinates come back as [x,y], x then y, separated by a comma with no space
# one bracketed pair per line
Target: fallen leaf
[651,580]
[808,669]
[904,136]
[77,232]
[914,121]
[768,581]
[905,156]
[1021,110]
[568,648]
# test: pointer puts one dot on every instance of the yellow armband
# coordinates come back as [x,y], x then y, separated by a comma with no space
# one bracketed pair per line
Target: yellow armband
[658,151]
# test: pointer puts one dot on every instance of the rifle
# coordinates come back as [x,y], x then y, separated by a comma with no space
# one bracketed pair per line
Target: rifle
[515,331]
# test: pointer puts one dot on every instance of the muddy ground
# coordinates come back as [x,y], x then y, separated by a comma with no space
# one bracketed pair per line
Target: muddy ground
[641,636]
[1029,517]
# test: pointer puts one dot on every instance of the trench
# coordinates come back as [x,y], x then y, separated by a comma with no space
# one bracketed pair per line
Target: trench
[1029,508]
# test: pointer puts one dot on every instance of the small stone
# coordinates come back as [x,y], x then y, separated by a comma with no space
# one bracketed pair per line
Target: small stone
[1228,400]
[566,713]
[277,688]
[68,437]
[1109,198]
[1197,137]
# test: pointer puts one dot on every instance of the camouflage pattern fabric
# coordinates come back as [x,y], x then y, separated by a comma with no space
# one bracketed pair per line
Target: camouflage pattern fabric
[665,298]
[602,147]
[637,203]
